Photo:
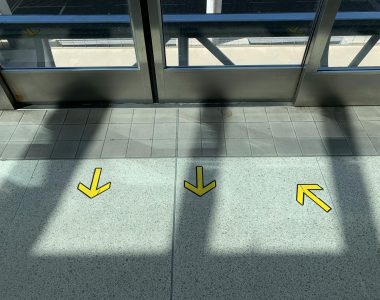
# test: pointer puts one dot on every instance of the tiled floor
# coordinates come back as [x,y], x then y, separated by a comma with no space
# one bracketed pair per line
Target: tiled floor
[188,132]
[147,237]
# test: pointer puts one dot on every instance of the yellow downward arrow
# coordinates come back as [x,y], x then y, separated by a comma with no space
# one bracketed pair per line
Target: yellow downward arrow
[94,191]
[305,189]
[200,189]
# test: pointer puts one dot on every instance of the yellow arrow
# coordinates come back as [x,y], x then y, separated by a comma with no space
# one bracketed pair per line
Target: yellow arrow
[305,189]
[200,189]
[94,191]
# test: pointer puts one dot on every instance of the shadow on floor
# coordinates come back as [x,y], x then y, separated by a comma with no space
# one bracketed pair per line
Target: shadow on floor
[199,275]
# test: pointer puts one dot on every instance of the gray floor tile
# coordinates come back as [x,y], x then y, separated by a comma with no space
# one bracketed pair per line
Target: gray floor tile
[259,130]
[228,243]
[235,130]
[24,133]
[118,131]
[353,184]
[282,129]
[361,146]
[300,114]
[189,115]
[345,114]
[77,116]
[376,143]
[166,115]
[212,130]
[95,132]
[123,235]
[99,116]
[55,116]
[90,149]
[238,147]
[367,113]
[11,117]
[211,115]
[189,147]
[278,114]
[233,114]
[121,116]
[312,146]
[114,149]
[139,148]
[144,115]
[33,117]
[287,147]
[189,131]
[15,150]
[372,128]
[14,178]
[48,132]
[213,147]
[255,114]
[330,129]
[306,130]
[164,148]
[263,147]
[337,146]
[71,132]
[322,114]
[165,131]
[6,132]
[65,149]
[40,150]
[2,147]
[142,131]
[353,129]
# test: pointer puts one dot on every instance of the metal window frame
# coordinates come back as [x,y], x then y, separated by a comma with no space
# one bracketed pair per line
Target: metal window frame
[331,86]
[220,84]
[82,85]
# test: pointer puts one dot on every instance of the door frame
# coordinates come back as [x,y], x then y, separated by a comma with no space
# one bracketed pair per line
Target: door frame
[215,84]
[71,86]
[336,86]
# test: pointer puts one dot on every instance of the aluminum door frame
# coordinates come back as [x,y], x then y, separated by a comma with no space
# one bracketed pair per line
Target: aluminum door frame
[78,85]
[334,86]
[209,84]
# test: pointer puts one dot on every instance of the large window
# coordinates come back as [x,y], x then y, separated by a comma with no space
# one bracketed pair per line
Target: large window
[66,33]
[354,40]
[236,32]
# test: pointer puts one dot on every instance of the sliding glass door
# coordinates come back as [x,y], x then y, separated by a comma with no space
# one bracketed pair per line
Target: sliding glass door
[74,51]
[230,50]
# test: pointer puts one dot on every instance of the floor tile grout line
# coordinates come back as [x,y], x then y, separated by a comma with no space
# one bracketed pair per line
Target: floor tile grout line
[129,134]
[327,188]
[249,140]
[173,229]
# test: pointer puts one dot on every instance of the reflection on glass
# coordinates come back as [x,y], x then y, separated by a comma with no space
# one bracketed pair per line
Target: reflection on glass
[66,33]
[236,32]
[355,42]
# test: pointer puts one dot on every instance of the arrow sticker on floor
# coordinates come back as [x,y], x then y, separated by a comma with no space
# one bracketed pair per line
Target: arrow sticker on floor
[94,190]
[200,189]
[305,189]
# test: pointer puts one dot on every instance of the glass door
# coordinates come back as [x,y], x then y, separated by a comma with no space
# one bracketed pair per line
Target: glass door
[74,51]
[344,66]
[230,50]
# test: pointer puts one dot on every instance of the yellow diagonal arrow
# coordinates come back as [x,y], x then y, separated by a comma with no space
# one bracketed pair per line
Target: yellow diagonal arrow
[94,191]
[200,189]
[305,189]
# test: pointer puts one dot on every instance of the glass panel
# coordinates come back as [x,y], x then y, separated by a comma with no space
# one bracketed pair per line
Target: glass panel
[65,33]
[355,36]
[236,32]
